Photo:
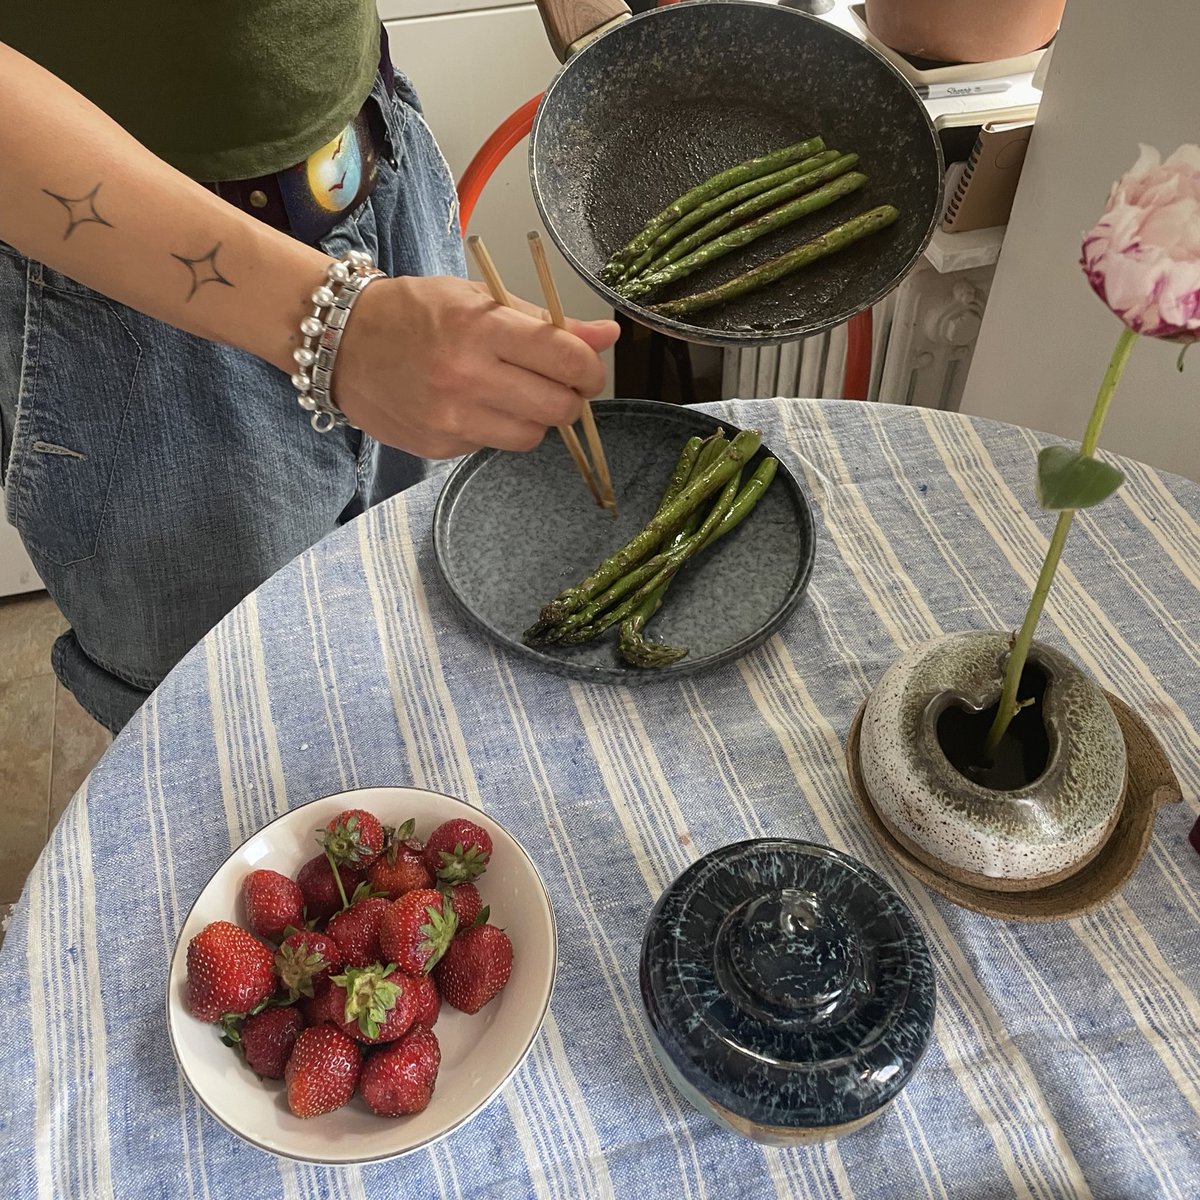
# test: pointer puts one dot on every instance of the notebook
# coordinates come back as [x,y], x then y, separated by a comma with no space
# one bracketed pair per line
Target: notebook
[981,190]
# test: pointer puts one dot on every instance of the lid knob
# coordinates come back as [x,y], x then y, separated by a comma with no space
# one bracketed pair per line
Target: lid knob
[788,956]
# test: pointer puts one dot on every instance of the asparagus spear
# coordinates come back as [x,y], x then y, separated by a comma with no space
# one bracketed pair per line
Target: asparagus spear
[735,216]
[631,645]
[683,469]
[718,204]
[535,636]
[836,239]
[729,512]
[747,498]
[692,463]
[644,542]
[634,648]
[777,218]
[753,168]
[672,561]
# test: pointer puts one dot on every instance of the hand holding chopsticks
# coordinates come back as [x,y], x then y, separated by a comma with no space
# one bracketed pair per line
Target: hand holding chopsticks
[599,483]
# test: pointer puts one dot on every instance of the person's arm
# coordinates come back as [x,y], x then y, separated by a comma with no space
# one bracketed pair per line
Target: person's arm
[430,365]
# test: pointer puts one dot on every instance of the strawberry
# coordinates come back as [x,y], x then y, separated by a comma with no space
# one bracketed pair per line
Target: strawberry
[322,1071]
[458,851]
[401,867]
[400,1078]
[326,1006]
[467,904]
[267,1040]
[475,968]
[377,1003]
[321,896]
[353,838]
[228,971]
[356,931]
[427,1004]
[272,902]
[415,930]
[304,959]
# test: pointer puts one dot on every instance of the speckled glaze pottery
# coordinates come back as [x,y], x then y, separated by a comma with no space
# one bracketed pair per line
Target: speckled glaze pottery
[788,989]
[512,530]
[1015,840]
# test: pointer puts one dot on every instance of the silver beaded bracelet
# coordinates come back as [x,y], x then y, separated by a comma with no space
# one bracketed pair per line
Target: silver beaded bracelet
[345,280]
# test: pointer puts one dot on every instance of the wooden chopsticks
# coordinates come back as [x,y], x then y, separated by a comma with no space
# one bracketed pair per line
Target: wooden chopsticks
[557,317]
[601,487]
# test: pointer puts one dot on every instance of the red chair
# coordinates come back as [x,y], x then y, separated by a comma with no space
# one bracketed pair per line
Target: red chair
[490,155]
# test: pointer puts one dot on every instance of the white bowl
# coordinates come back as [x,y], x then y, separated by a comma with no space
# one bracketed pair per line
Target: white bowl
[479,1053]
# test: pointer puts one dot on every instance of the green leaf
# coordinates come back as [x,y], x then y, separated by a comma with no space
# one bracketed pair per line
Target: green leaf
[364,891]
[437,934]
[1068,479]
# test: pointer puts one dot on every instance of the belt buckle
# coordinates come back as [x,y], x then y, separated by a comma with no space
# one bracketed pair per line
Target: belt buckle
[332,181]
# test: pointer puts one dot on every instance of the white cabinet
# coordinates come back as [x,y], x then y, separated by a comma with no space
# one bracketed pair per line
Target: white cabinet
[472,69]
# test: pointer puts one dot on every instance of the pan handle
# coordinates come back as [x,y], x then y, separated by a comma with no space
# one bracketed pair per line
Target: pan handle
[570,23]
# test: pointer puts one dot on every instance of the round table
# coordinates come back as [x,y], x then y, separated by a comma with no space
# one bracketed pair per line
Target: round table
[1066,1057]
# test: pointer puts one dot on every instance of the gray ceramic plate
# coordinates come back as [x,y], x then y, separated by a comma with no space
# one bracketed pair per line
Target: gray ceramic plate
[512,530]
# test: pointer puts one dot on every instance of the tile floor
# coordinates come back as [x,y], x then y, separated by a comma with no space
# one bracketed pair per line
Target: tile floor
[48,743]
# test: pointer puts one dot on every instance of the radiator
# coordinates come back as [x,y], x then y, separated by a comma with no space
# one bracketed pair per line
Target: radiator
[923,339]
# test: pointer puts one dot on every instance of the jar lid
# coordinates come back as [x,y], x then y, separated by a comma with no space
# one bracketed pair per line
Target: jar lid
[788,983]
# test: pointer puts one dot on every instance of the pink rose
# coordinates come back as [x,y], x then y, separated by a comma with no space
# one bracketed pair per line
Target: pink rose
[1143,257]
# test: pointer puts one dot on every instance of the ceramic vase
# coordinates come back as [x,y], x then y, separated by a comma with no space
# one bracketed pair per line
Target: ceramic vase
[1067,784]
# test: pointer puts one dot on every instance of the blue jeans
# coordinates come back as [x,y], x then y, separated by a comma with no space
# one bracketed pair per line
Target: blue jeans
[157,478]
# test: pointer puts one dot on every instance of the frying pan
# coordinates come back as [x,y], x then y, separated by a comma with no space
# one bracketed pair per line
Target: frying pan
[652,105]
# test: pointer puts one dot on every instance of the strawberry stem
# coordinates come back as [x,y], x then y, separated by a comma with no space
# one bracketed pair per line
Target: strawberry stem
[337,878]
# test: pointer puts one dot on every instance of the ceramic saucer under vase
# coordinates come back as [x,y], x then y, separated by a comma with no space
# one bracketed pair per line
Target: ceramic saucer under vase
[1150,783]
[789,990]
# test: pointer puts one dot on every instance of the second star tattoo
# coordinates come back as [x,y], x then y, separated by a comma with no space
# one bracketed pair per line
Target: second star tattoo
[203,270]
[80,211]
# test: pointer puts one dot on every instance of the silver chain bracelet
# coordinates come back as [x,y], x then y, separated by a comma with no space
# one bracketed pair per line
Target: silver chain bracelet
[345,280]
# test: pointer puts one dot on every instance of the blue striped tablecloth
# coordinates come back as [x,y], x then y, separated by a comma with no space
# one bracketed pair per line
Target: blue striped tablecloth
[1066,1060]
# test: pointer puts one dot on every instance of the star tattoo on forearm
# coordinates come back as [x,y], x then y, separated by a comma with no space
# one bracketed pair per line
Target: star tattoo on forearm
[81,211]
[203,270]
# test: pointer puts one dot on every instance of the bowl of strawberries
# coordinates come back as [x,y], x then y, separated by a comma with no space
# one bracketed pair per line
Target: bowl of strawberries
[361,977]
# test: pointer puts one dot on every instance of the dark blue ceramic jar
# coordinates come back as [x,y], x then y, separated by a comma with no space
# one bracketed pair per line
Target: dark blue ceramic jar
[789,990]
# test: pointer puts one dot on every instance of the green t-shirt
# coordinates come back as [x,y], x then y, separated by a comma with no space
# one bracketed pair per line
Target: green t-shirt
[221,89]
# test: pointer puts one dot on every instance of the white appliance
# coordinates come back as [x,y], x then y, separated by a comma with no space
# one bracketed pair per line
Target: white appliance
[474,62]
